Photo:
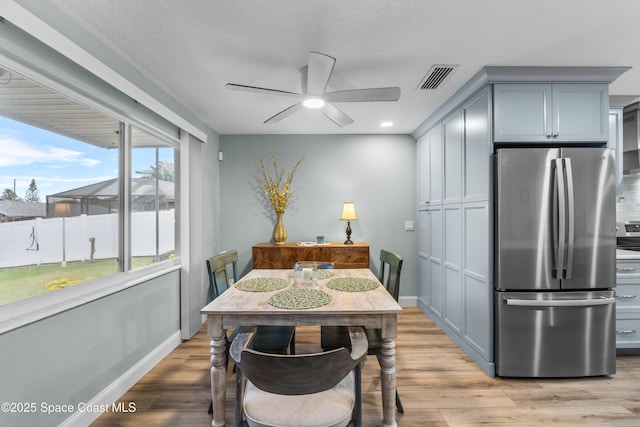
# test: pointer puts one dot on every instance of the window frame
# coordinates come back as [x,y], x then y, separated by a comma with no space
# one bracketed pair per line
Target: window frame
[23,312]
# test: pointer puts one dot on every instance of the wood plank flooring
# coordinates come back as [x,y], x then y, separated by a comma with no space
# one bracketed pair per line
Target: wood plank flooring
[439,386]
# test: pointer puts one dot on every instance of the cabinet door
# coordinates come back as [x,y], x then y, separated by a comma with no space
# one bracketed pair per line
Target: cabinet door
[477,284]
[453,313]
[452,152]
[435,165]
[435,261]
[522,112]
[424,283]
[580,112]
[477,147]
[422,166]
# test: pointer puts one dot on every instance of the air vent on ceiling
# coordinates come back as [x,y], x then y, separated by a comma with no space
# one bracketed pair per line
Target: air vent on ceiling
[435,76]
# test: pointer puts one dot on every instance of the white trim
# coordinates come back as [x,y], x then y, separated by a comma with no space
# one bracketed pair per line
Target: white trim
[409,301]
[120,386]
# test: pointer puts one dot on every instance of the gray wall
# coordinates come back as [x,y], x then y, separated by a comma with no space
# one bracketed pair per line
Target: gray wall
[71,357]
[377,172]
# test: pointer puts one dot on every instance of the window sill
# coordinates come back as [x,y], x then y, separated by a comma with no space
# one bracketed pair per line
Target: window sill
[21,313]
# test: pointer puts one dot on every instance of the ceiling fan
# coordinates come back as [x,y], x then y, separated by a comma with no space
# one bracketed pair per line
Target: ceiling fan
[315,77]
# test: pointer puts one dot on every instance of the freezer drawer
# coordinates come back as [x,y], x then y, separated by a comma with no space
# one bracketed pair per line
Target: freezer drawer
[555,334]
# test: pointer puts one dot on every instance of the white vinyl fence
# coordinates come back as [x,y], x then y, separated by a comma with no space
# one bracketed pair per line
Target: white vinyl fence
[42,241]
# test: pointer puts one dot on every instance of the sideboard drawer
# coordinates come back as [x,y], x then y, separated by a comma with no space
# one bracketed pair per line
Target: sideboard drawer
[356,257]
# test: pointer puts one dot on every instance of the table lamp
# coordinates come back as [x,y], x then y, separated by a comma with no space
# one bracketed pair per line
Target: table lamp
[348,213]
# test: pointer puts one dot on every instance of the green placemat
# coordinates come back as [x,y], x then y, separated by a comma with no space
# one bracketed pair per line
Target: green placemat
[352,284]
[299,299]
[320,274]
[262,284]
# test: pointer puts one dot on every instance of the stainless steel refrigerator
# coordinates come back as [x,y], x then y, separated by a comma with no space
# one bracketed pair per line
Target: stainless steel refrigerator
[555,244]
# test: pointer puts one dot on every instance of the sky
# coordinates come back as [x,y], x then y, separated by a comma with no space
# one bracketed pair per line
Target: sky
[57,163]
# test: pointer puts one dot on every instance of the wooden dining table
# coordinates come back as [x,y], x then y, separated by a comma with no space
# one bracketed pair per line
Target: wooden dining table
[373,308]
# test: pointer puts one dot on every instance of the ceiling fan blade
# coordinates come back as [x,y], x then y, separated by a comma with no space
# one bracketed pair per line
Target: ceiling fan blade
[284,113]
[255,89]
[364,95]
[336,115]
[319,72]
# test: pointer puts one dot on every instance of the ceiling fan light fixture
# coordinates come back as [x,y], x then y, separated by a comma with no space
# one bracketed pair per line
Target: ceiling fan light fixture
[314,102]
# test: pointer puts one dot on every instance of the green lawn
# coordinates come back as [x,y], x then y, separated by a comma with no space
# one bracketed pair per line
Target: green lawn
[17,283]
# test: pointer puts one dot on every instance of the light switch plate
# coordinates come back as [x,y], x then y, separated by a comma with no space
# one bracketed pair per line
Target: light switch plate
[409,226]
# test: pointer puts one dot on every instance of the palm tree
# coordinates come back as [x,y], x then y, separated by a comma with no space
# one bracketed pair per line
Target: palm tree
[164,171]
[9,194]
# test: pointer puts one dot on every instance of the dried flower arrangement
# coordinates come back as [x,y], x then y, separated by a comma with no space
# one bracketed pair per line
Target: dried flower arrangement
[277,188]
[277,183]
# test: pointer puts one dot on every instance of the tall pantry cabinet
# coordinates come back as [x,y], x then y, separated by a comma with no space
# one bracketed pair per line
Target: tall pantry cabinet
[454,226]
[498,107]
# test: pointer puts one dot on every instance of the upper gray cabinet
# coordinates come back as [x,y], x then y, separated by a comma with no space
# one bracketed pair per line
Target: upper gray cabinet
[544,112]
[430,167]
[452,151]
[476,183]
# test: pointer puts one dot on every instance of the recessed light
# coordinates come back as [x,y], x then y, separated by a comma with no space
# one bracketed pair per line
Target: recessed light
[313,102]
[386,124]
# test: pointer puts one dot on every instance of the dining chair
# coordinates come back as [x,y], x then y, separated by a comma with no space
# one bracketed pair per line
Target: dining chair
[269,339]
[337,336]
[318,389]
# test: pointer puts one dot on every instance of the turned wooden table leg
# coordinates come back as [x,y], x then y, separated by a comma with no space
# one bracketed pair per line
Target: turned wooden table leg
[218,369]
[388,371]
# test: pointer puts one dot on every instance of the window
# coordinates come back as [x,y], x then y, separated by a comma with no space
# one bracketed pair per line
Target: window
[153,200]
[65,172]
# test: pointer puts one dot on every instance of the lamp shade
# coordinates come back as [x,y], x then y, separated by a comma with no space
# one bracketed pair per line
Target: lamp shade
[349,211]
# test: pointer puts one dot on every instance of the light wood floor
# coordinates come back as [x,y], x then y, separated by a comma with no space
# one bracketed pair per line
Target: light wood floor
[438,384]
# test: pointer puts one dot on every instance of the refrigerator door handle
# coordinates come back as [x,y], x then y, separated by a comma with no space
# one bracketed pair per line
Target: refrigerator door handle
[571,217]
[561,218]
[559,303]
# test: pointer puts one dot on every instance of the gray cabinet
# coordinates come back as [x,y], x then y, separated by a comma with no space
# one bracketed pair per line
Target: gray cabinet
[435,242]
[477,147]
[454,225]
[545,112]
[476,278]
[423,289]
[430,169]
[628,304]
[452,153]
[453,313]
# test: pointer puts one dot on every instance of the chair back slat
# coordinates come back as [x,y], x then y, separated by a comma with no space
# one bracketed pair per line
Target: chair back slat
[217,267]
[390,268]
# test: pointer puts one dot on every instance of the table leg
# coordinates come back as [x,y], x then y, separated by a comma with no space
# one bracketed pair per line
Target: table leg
[388,376]
[218,370]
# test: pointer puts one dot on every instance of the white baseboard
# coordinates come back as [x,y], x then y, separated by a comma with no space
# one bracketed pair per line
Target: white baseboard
[408,301]
[120,386]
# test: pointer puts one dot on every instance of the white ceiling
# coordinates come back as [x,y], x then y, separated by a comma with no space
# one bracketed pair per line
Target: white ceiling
[191,48]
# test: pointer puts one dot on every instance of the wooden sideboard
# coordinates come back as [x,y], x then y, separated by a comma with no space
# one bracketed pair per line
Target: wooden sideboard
[270,255]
